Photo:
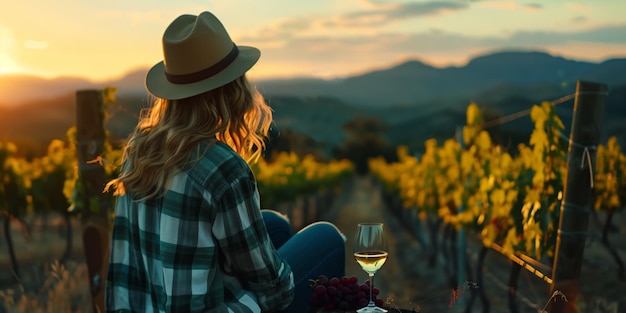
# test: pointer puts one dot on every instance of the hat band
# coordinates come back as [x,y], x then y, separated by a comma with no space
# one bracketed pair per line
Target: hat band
[205,73]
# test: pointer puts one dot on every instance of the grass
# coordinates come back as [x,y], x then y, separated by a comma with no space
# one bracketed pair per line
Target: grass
[61,289]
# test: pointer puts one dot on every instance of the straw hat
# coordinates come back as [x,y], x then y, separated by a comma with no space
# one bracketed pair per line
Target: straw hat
[198,56]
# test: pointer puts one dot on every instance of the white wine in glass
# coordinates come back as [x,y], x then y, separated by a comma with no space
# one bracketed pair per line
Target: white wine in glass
[370,251]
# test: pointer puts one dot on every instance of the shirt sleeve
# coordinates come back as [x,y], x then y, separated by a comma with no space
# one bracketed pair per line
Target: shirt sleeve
[247,250]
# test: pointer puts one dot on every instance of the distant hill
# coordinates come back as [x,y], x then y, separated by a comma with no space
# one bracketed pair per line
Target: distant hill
[417,101]
[407,84]
[414,83]
[319,117]
[32,125]
[19,89]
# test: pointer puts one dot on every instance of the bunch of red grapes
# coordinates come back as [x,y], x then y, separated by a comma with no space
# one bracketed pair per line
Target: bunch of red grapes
[343,293]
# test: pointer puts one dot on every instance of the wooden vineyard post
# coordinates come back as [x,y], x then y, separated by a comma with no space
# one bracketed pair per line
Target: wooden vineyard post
[90,137]
[577,195]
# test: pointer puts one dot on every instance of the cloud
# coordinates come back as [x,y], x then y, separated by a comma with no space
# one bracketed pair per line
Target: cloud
[510,5]
[347,41]
[376,5]
[376,15]
[385,13]
[387,48]
[36,44]
[437,40]
[281,30]
[534,6]
[576,7]
[579,19]
[608,34]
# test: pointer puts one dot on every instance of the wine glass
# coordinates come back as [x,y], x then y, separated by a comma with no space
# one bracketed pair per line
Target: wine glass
[370,251]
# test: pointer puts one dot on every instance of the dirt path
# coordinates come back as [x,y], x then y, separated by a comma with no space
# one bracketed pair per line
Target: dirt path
[404,277]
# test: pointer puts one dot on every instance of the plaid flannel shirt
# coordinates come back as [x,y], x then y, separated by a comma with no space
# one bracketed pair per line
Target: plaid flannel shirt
[203,247]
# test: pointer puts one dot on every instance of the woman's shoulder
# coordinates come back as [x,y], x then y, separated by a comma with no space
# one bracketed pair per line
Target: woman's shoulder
[218,162]
[221,154]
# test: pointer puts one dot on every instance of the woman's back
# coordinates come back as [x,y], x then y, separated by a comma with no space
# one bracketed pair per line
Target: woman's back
[182,252]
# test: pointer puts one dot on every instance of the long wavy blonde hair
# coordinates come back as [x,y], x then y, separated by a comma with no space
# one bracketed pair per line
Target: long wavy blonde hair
[168,134]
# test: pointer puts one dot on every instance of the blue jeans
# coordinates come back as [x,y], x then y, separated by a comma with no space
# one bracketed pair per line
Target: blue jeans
[316,249]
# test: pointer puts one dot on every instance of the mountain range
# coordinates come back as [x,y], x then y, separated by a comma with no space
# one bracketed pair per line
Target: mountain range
[417,101]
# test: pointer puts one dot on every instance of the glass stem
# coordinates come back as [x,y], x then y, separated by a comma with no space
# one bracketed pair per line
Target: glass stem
[371,304]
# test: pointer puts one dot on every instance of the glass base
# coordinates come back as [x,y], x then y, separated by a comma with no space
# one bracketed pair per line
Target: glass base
[371,309]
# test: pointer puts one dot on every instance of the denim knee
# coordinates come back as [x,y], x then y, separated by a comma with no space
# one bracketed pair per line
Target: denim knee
[326,230]
[278,227]
[330,241]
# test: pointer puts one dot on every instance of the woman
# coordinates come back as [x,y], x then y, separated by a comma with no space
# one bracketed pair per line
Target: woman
[189,235]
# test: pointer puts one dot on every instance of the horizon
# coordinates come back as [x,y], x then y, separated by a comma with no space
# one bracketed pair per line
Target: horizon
[26,88]
[356,73]
[327,39]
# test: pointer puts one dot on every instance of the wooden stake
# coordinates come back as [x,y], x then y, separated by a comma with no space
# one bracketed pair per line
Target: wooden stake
[90,137]
[577,195]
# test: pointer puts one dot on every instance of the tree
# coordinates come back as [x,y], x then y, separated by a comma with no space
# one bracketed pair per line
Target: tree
[365,139]
[288,140]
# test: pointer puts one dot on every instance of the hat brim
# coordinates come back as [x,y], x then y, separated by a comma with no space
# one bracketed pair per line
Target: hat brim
[158,85]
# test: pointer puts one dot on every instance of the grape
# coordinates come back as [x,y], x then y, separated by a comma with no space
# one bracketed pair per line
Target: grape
[363,302]
[343,305]
[345,293]
[361,295]
[353,280]
[320,289]
[345,280]
[348,298]
[322,298]
[325,298]
[322,279]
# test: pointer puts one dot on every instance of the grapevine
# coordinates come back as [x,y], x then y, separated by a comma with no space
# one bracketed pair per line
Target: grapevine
[290,175]
[13,193]
[512,200]
[14,181]
[610,177]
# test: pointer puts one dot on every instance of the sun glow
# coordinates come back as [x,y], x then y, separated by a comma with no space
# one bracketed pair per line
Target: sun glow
[8,65]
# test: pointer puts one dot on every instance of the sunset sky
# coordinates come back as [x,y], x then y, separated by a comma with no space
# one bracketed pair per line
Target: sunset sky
[102,40]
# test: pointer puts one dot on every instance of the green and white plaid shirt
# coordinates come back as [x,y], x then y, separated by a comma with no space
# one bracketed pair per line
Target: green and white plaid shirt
[203,247]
